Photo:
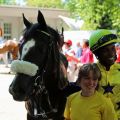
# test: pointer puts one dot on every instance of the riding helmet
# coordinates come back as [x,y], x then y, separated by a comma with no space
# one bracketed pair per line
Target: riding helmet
[100,38]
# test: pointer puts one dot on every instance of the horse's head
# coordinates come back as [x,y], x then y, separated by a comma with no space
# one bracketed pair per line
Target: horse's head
[38,48]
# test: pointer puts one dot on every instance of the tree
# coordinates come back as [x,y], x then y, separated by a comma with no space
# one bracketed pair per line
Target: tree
[7,2]
[96,13]
[45,3]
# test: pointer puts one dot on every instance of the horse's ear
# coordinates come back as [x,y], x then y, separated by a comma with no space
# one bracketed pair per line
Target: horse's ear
[41,19]
[26,22]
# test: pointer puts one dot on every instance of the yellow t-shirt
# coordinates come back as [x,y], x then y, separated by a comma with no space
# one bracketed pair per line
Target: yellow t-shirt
[96,107]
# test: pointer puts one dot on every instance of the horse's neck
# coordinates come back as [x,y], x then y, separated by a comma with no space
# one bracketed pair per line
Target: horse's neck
[51,69]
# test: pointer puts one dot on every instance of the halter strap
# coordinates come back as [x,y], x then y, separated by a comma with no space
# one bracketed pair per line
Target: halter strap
[46,33]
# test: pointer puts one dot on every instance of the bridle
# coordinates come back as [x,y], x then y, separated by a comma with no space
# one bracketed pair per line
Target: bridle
[42,69]
[39,85]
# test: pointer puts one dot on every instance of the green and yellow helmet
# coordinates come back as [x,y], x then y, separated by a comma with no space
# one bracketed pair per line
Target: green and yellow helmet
[101,38]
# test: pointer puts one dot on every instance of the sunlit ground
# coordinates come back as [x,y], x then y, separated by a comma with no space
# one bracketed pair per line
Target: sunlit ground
[9,109]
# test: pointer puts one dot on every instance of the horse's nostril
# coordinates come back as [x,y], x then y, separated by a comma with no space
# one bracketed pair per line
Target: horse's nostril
[11,90]
[16,91]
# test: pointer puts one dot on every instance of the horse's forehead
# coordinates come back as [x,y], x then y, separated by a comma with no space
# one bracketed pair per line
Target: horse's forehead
[27,46]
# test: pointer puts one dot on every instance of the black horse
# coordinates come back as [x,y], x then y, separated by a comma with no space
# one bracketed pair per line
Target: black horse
[40,72]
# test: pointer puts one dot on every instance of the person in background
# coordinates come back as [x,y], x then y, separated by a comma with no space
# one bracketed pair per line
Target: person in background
[78,52]
[69,52]
[117,46]
[102,44]
[87,55]
[4,58]
[68,47]
[88,104]
[4,55]
[72,60]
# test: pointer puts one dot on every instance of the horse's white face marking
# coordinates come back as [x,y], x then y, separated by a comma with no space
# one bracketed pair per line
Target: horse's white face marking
[27,47]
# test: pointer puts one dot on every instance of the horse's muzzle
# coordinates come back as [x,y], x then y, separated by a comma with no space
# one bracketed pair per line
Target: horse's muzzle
[16,95]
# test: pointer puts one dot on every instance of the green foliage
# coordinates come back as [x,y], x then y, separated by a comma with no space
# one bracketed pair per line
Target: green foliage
[7,2]
[2,1]
[96,13]
[45,3]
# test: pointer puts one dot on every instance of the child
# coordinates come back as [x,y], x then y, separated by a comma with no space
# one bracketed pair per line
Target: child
[88,104]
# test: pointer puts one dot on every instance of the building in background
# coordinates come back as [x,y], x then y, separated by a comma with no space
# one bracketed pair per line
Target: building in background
[12,23]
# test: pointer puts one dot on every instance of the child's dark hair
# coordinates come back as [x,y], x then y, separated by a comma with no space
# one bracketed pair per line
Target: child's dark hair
[85,70]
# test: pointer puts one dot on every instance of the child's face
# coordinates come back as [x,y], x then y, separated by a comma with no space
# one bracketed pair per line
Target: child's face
[88,83]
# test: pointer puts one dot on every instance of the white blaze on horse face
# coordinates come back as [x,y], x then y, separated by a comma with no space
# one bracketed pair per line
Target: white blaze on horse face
[27,47]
